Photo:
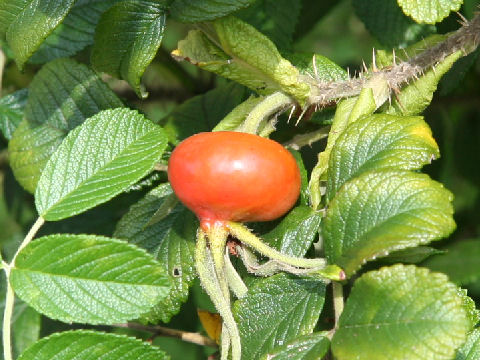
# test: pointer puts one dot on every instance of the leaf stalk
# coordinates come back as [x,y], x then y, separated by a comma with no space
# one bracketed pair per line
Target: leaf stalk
[10,296]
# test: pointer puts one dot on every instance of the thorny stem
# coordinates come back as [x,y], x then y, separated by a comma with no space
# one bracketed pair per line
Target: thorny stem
[208,278]
[191,337]
[10,296]
[466,39]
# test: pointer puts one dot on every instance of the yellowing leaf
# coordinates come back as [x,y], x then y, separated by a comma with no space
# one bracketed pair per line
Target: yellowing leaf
[212,323]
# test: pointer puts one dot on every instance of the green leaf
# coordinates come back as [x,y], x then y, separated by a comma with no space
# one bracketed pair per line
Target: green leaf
[27,23]
[88,279]
[236,117]
[348,111]
[171,241]
[417,95]
[205,10]
[324,70]
[411,255]
[26,326]
[98,160]
[296,232]
[304,189]
[276,19]
[459,262]
[312,12]
[26,322]
[429,11]
[380,142]
[61,96]
[201,113]
[469,305]
[308,347]
[86,345]
[243,55]
[127,38]
[456,75]
[382,211]
[74,33]
[401,309]
[11,111]
[386,21]
[276,310]
[471,349]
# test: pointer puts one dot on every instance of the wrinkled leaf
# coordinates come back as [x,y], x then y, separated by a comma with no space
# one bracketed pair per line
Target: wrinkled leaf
[308,347]
[296,232]
[459,262]
[324,70]
[11,112]
[398,309]
[88,279]
[201,113]
[109,152]
[27,24]
[74,33]
[171,241]
[87,345]
[204,10]
[276,310]
[471,349]
[243,55]
[127,38]
[380,142]
[382,211]
[348,111]
[470,308]
[429,11]
[61,96]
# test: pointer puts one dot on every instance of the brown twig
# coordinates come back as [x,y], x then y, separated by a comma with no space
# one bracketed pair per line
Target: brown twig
[157,330]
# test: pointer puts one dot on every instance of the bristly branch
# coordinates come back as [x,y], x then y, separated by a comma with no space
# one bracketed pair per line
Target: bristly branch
[466,39]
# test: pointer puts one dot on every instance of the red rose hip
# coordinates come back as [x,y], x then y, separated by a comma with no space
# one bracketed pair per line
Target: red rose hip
[233,176]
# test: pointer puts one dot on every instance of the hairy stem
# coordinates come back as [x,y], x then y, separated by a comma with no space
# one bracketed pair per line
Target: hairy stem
[208,278]
[338,304]
[10,296]
[245,236]
[191,337]
[217,237]
[234,280]
[271,105]
[309,138]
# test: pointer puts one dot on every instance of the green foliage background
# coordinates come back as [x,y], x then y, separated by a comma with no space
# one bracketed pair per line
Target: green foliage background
[185,99]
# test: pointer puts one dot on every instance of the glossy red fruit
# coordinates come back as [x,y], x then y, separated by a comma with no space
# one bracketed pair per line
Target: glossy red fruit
[232,176]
